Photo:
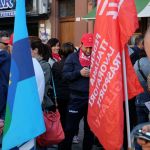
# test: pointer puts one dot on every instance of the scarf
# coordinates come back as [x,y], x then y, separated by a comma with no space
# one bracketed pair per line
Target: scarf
[85,61]
[56,56]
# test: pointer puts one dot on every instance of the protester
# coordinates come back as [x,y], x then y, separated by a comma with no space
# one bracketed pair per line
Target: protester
[143,143]
[62,86]
[54,45]
[40,51]
[4,75]
[76,71]
[142,68]
[4,79]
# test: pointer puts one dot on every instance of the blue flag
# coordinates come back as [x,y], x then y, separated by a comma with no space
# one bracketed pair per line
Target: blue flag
[24,119]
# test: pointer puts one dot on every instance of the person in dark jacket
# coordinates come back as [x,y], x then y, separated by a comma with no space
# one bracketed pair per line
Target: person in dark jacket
[76,71]
[4,75]
[62,86]
[4,80]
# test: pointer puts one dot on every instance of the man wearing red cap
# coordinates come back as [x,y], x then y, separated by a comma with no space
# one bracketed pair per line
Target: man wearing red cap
[76,71]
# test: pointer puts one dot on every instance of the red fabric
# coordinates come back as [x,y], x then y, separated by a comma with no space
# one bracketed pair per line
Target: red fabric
[134,87]
[115,23]
[54,132]
[11,39]
[87,40]
[84,60]
[56,56]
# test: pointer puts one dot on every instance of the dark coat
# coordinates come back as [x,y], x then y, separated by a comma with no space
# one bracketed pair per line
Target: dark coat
[135,55]
[61,85]
[71,73]
[4,79]
[78,85]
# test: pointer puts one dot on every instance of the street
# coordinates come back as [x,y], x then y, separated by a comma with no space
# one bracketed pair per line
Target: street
[79,146]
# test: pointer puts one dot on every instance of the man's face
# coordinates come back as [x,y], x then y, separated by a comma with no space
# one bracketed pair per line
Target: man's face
[86,50]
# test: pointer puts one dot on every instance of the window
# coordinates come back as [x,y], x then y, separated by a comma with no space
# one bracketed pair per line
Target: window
[66,8]
[11,4]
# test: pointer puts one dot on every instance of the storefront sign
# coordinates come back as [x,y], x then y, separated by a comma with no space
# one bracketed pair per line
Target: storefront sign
[9,13]
[4,4]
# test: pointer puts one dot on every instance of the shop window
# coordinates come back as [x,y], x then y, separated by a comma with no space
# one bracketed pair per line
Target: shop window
[66,8]
[11,4]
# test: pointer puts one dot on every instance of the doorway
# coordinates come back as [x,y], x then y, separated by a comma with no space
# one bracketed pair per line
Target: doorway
[66,20]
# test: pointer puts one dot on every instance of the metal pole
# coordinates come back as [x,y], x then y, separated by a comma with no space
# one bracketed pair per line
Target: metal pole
[126,98]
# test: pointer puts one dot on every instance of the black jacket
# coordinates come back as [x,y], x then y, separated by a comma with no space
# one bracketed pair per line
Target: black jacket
[135,55]
[71,72]
[79,86]
[4,79]
[61,85]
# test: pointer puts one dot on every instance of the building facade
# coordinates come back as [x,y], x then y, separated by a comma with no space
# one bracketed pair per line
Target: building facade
[37,11]
[50,18]
[66,19]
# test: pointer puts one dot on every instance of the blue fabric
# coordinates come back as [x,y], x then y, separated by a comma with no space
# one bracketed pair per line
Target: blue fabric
[20,21]
[24,118]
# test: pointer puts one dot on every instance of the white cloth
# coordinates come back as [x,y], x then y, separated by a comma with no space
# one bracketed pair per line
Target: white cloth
[51,62]
[39,75]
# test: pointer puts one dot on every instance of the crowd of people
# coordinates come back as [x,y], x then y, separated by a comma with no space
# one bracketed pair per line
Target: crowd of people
[70,68]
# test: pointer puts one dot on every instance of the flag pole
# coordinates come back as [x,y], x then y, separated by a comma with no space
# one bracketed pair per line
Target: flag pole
[126,99]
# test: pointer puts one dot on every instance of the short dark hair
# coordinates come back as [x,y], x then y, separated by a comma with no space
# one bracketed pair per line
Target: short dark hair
[52,42]
[66,49]
[43,49]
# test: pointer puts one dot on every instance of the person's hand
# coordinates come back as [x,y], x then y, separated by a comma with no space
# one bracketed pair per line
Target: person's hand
[85,72]
[1,126]
[145,144]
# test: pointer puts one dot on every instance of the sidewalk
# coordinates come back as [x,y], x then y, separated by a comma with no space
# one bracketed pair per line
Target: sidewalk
[79,146]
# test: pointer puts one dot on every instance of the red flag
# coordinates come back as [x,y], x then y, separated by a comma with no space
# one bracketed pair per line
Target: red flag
[116,21]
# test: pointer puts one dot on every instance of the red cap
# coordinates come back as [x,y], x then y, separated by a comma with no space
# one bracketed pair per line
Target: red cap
[87,40]
[11,39]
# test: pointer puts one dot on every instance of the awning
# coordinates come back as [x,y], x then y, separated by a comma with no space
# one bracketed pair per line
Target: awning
[91,15]
[142,6]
